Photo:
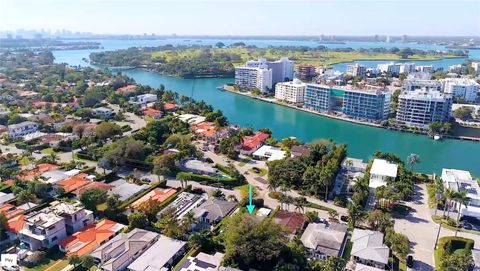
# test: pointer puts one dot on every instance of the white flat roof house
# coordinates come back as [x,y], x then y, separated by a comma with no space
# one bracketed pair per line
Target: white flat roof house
[19,130]
[160,256]
[143,99]
[380,171]
[103,112]
[202,262]
[269,153]
[461,180]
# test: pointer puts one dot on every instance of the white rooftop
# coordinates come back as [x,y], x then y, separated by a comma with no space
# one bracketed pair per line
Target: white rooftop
[191,118]
[461,180]
[269,152]
[384,168]
[263,212]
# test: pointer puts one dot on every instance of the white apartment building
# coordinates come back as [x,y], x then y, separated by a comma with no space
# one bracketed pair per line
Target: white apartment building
[424,68]
[476,66]
[143,99]
[407,68]
[391,68]
[103,112]
[421,107]
[45,228]
[282,70]
[356,69]
[461,180]
[292,92]
[254,77]
[461,88]
[413,84]
[16,131]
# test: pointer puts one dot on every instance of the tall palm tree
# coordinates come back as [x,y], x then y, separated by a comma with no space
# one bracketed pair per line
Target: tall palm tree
[300,203]
[188,220]
[461,199]
[449,196]
[413,159]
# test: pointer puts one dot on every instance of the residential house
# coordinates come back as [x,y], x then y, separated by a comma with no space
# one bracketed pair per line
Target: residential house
[103,112]
[127,89]
[45,228]
[269,153]
[16,131]
[212,212]
[184,203]
[153,113]
[324,240]
[143,99]
[126,190]
[300,151]
[123,249]
[252,143]
[202,262]
[37,171]
[160,256]
[89,238]
[462,181]
[380,172]
[158,195]
[293,222]
[368,248]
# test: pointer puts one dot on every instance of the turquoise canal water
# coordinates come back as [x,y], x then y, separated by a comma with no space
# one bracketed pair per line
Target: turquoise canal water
[362,140]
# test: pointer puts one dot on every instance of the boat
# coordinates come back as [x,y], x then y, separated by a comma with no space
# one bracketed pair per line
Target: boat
[437,137]
[222,87]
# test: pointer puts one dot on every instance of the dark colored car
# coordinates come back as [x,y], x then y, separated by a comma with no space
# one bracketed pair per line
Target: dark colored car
[410,261]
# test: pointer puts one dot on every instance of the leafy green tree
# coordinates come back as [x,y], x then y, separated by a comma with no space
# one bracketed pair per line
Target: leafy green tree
[163,165]
[219,44]
[398,242]
[463,113]
[137,220]
[113,206]
[379,220]
[456,261]
[87,261]
[329,264]
[253,244]
[93,197]
[106,130]
[3,222]
[74,260]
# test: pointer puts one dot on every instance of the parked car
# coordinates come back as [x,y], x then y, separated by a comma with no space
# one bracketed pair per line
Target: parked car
[410,261]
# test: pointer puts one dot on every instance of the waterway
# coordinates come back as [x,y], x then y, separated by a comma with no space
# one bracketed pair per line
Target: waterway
[362,140]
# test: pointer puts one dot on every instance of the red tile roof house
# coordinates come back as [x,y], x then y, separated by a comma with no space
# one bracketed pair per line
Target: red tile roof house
[208,131]
[170,107]
[151,112]
[38,170]
[127,89]
[293,222]
[252,143]
[90,238]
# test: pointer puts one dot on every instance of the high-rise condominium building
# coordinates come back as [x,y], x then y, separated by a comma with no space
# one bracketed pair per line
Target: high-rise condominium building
[306,72]
[282,70]
[292,92]
[413,84]
[318,97]
[421,107]
[463,88]
[366,104]
[254,77]
[356,69]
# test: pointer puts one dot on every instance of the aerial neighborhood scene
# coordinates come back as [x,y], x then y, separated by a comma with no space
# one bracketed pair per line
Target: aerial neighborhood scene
[212,135]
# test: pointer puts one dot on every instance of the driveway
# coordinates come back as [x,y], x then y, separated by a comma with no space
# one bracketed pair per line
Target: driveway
[420,229]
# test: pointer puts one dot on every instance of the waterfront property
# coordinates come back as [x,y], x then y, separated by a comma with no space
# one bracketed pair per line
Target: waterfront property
[143,99]
[292,92]
[414,84]
[318,97]
[356,70]
[380,172]
[324,240]
[282,69]
[367,104]
[252,143]
[254,77]
[306,72]
[463,88]
[269,153]
[420,108]
[462,181]
[368,249]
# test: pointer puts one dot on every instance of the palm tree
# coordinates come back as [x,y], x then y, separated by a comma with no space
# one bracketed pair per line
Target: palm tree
[188,220]
[449,196]
[282,199]
[333,214]
[413,159]
[300,203]
[355,213]
[461,199]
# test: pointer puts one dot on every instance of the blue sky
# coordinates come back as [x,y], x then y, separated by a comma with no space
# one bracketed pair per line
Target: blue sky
[246,17]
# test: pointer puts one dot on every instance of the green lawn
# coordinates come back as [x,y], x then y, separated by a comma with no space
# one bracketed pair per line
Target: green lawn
[244,162]
[347,250]
[49,265]
[258,171]
[48,151]
[25,161]
[449,245]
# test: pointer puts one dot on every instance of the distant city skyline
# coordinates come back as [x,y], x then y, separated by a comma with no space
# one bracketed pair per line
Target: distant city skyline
[247,17]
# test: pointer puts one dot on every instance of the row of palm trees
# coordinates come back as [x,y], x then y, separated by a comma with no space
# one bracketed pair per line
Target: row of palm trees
[452,198]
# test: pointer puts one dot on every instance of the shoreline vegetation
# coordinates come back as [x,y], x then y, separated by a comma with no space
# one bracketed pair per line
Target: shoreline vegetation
[220,61]
[341,118]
